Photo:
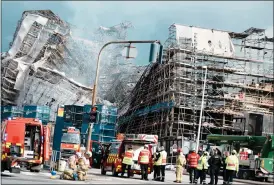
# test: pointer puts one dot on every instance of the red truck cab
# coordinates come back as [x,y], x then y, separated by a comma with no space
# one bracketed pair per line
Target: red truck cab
[114,153]
[24,144]
[70,142]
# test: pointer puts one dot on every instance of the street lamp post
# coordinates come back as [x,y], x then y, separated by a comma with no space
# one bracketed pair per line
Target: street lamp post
[201,111]
[97,72]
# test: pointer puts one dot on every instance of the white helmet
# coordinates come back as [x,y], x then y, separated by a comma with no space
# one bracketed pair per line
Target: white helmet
[82,148]
[89,154]
[146,146]
[234,152]
[205,153]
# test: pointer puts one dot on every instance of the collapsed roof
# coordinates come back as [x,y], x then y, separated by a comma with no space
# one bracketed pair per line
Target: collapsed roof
[50,63]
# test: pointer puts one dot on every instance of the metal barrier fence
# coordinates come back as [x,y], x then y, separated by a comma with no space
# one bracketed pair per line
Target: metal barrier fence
[55,157]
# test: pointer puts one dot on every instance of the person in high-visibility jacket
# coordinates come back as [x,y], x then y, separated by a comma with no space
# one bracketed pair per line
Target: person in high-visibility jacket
[232,166]
[127,161]
[192,162]
[143,160]
[158,163]
[225,155]
[180,164]
[154,166]
[163,165]
[202,169]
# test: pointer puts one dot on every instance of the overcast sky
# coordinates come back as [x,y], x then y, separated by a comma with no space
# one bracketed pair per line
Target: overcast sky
[151,19]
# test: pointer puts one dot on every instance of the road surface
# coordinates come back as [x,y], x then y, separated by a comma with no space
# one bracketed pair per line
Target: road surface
[94,177]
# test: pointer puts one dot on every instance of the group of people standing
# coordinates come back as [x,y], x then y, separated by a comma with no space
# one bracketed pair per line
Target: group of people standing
[159,165]
[199,163]
[159,162]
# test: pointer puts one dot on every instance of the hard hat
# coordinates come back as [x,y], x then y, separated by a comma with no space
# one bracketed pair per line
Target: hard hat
[162,148]
[158,149]
[192,149]
[89,154]
[82,148]
[179,150]
[146,146]
[234,152]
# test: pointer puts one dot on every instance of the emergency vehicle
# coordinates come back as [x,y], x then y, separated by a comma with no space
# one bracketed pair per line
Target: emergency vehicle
[25,143]
[70,142]
[114,152]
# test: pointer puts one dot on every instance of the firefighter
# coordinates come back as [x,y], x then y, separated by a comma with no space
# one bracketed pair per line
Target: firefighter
[143,160]
[158,163]
[154,166]
[82,150]
[68,173]
[192,162]
[232,165]
[83,166]
[127,161]
[163,165]
[202,169]
[215,162]
[225,155]
[180,164]
[200,152]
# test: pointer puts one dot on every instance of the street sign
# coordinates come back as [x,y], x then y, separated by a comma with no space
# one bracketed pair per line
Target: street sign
[129,52]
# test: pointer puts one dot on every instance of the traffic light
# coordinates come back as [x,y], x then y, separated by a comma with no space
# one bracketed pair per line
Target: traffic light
[93,114]
[156,53]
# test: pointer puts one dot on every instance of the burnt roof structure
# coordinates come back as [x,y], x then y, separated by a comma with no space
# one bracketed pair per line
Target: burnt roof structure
[50,63]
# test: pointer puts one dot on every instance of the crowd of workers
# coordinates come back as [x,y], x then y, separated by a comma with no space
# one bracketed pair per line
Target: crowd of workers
[197,164]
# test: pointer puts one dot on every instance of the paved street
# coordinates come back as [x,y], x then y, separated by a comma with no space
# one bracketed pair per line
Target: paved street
[94,178]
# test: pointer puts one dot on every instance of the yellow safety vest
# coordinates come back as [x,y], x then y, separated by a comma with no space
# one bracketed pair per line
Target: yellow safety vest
[144,156]
[128,158]
[202,163]
[164,156]
[159,162]
[154,156]
[232,163]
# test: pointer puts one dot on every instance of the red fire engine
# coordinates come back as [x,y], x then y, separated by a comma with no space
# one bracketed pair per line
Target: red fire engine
[25,143]
[114,152]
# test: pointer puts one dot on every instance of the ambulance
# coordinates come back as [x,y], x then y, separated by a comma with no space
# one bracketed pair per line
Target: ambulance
[113,155]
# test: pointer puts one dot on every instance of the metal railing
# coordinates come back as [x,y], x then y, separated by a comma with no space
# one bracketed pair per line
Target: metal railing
[55,157]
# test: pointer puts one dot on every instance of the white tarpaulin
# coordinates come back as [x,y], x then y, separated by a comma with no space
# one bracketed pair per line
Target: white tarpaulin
[21,77]
[208,41]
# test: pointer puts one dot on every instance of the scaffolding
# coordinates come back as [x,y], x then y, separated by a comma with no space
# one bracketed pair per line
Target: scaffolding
[167,99]
[51,62]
